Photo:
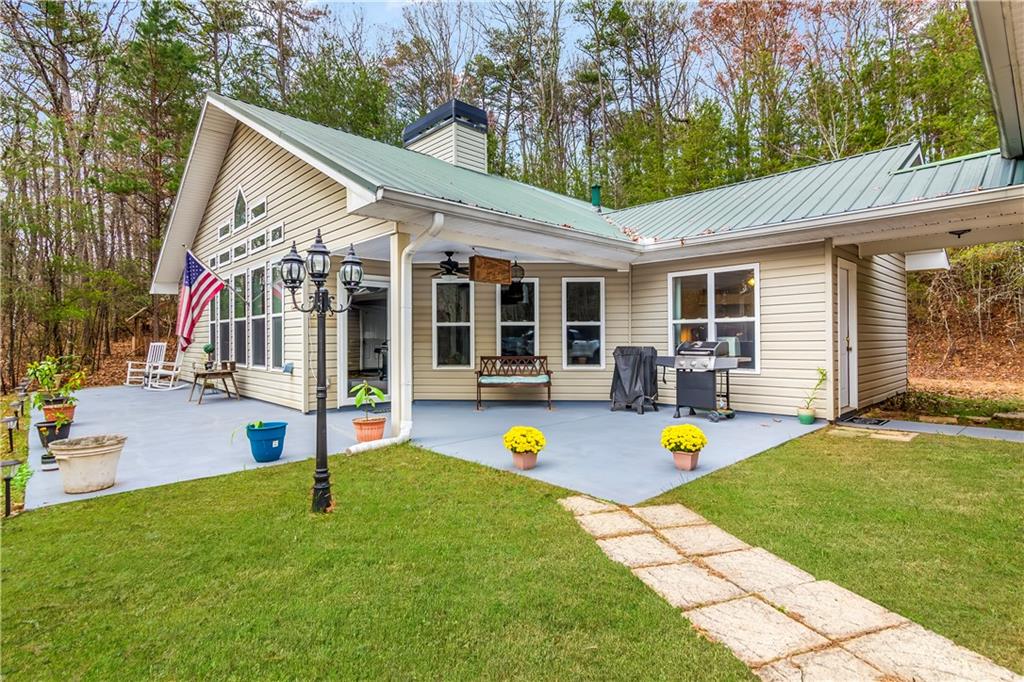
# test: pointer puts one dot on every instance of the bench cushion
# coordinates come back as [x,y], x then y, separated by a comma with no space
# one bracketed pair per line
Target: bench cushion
[515,379]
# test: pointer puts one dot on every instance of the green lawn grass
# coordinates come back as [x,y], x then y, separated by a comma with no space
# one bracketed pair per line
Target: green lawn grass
[932,529]
[429,567]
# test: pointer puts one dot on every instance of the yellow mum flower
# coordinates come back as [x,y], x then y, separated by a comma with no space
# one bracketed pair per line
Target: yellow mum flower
[524,439]
[683,438]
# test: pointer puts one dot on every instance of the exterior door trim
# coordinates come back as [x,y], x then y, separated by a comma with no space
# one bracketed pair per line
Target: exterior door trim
[343,397]
[848,313]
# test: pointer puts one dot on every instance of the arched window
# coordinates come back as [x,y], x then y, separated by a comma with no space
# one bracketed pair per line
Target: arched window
[241,211]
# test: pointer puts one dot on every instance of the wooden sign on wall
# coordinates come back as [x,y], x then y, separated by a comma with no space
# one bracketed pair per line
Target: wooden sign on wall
[490,270]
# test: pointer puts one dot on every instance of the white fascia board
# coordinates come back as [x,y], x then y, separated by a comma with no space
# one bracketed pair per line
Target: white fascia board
[1000,49]
[917,261]
[943,240]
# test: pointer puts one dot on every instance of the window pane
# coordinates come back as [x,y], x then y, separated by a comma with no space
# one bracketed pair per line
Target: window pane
[277,295]
[583,301]
[256,295]
[239,296]
[277,342]
[690,297]
[517,302]
[240,342]
[740,337]
[259,342]
[224,344]
[223,304]
[517,340]
[277,233]
[453,346]
[734,293]
[224,230]
[685,332]
[213,337]
[259,209]
[583,343]
[239,251]
[453,302]
[258,242]
[240,210]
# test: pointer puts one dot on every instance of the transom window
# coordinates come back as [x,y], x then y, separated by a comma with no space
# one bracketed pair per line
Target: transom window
[583,322]
[224,230]
[717,305]
[453,323]
[258,210]
[277,233]
[239,251]
[518,315]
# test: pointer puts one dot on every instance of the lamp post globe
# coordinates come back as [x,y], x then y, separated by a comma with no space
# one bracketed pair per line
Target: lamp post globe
[351,270]
[318,260]
[293,269]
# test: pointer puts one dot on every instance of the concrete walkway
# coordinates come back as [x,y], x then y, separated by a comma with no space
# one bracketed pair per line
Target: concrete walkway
[943,429]
[778,619]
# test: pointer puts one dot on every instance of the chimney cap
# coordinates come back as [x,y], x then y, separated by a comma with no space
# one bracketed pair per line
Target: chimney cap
[454,110]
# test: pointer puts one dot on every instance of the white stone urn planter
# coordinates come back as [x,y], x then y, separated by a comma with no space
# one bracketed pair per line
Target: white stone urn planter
[88,463]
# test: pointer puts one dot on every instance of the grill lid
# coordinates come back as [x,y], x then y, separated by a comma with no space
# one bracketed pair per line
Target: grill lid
[715,348]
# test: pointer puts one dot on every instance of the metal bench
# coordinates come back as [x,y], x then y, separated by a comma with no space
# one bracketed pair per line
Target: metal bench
[512,370]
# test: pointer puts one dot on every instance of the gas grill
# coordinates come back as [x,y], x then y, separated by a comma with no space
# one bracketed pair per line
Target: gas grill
[702,377]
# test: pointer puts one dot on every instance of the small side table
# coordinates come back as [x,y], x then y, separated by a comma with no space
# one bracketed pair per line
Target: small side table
[209,376]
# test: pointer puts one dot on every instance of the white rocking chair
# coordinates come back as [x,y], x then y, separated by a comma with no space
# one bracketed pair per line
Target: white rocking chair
[163,376]
[138,372]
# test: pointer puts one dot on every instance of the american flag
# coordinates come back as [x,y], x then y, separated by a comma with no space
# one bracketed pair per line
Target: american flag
[198,287]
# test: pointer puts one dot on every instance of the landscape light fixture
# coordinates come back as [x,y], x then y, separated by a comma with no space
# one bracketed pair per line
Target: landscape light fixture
[317,265]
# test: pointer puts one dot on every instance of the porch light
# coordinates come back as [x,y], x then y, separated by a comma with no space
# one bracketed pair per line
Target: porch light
[351,270]
[318,260]
[517,272]
[293,269]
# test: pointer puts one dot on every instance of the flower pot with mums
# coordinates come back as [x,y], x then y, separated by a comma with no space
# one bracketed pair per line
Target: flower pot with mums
[524,442]
[684,441]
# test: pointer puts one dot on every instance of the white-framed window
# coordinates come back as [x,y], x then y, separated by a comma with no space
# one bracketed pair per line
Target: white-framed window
[224,257]
[258,316]
[258,210]
[240,214]
[224,230]
[238,282]
[275,235]
[518,315]
[719,304]
[276,317]
[583,322]
[240,251]
[223,342]
[212,263]
[452,306]
[258,242]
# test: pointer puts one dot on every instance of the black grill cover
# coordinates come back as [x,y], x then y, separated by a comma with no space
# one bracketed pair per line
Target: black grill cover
[635,382]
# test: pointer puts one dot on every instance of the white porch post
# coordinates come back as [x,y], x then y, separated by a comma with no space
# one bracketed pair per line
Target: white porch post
[400,342]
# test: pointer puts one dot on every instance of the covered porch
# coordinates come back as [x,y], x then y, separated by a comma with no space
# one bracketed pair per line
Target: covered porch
[611,455]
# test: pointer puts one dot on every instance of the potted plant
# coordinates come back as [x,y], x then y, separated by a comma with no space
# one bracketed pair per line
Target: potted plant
[208,349]
[88,463]
[50,431]
[524,442]
[266,440]
[65,395]
[684,441]
[368,428]
[806,413]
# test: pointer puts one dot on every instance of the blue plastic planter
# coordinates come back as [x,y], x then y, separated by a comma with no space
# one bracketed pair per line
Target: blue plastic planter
[267,441]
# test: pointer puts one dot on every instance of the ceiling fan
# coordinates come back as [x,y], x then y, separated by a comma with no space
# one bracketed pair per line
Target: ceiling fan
[450,268]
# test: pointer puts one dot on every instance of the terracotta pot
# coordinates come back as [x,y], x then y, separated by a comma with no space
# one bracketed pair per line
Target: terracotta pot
[52,412]
[686,461]
[524,460]
[369,428]
[88,463]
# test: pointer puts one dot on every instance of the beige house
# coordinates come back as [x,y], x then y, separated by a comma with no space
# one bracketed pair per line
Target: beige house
[795,271]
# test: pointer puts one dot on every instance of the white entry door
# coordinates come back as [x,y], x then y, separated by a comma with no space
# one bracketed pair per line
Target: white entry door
[363,334]
[846,276]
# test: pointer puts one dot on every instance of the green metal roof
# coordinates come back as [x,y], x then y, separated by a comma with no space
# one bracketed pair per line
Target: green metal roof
[871,180]
[375,165]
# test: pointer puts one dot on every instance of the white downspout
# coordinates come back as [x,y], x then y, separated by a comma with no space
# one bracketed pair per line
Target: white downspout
[405,394]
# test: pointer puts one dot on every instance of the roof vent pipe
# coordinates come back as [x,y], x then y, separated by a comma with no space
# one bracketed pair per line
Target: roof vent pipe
[595,196]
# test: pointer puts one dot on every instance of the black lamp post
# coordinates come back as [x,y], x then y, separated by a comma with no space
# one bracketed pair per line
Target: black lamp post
[318,265]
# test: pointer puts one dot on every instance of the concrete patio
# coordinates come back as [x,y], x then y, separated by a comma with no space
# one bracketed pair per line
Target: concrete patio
[611,455]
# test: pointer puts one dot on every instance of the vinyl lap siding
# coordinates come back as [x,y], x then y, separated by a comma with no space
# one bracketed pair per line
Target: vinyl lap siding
[439,143]
[792,329]
[572,384]
[456,144]
[304,199]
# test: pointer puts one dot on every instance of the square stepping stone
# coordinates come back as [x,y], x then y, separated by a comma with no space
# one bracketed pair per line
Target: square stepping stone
[639,550]
[757,570]
[826,665]
[912,652]
[687,586]
[610,524]
[831,610]
[669,515]
[580,504]
[754,631]
[702,540]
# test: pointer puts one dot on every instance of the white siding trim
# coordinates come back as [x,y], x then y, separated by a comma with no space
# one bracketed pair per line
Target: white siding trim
[851,288]
[565,323]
